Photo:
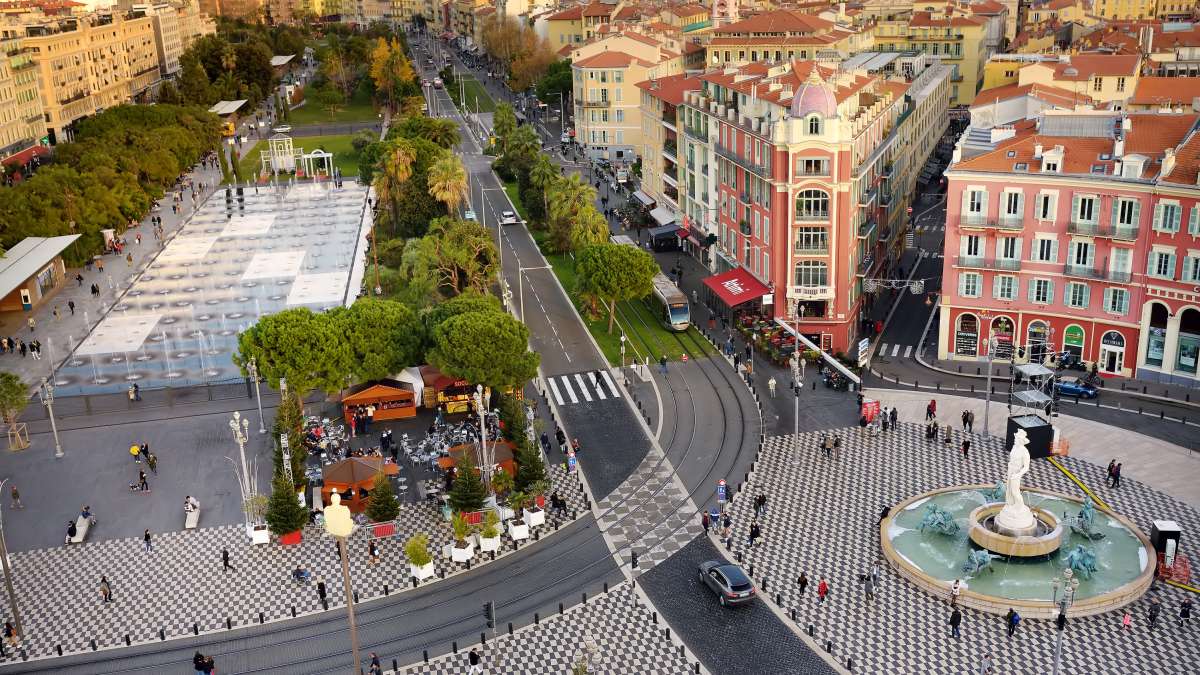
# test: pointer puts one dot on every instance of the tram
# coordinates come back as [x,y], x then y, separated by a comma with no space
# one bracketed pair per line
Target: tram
[670,303]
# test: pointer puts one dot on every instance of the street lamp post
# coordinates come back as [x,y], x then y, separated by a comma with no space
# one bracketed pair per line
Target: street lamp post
[482,401]
[340,525]
[796,387]
[987,397]
[252,368]
[239,427]
[46,394]
[8,582]
[1068,584]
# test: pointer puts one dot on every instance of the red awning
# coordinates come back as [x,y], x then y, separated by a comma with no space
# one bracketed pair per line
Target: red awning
[736,286]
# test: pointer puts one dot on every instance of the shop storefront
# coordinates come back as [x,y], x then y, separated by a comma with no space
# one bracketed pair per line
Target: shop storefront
[1002,331]
[1189,341]
[1037,343]
[1112,352]
[966,335]
[1073,341]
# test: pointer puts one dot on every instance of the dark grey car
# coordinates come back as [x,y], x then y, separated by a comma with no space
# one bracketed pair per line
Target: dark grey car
[728,581]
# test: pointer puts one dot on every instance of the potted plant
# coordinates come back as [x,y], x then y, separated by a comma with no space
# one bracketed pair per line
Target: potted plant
[517,527]
[502,482]
[420,563]
[489,535]
[285,517]
[534,515]
[461,550]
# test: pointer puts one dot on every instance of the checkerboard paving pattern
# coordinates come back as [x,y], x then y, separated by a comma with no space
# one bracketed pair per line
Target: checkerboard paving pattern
[650,510]
[627,640]
[821,517]
[182,581]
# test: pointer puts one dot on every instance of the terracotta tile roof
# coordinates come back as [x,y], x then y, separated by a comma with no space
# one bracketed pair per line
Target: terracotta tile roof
[1166,90]
[661,26]
[926,20]
[1153,133]
[1054,95]
[1187,162]
[670,89]
[692,47]
[629,13]
[751,79]
[991,7]
[566,50]
[778,21]
[687,11]
[570,14]
[1123,36]
[598,9]
[796,40]
[1082,67]
[608,59]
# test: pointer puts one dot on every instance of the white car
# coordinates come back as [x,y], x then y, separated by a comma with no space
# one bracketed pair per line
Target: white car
[469,215]
[282,129]
[437,83]
[565,138]
[509,218]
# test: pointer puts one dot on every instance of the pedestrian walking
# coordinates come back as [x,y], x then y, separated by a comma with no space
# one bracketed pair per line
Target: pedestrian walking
[771,386]
[955,589]
[1012,619]
[376,668]
[142,484]
[875,574]
[475,661]
[955,620]
[726,527]
[987,666]
[1127,621]
[1112,466]
[136,451]
[931,410]
[802,582]
[32,323]
[55,312]
[965,415]
[16,498]
[321,590]
[71,304]
[948,436]
[1185,611]
[152,462]
[705,522]
[373,551]
[225,566]
[662,364]
[966,446]
[105,589]
[10,634]
[755,533]
[893,415]
[1117,476]
[869,587]
[822,590]
[760,505]
[146,543]
[79,280]
[1155,610]
[971,421]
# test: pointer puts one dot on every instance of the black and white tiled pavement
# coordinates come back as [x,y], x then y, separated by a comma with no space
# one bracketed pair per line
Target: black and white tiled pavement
[651,511]
[821,517]
[623,639]
[182,581]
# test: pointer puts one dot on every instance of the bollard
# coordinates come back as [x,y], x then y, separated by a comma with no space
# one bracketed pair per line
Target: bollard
[59,648]
[739,556]
[560,608]
[454,645]
[510,628]
[606,587]
[585,598]
[93,645]
[536,619]
[468,567]
[939,386]
[849,663]
[483,639]
[779,599]
[697,668]
[667,632]
[414,583]
[127,640]
[442,573]
[162,634]
[793,614]
[972,389]
[654,617]
[977,371]
[425,653]
[385,590]
[1161,414]
[537,535]
[681,653]
[812,632]
[196,626]
[395,666]
[751,570]
[228,623]
[261,619]
[829,646]
[764,583]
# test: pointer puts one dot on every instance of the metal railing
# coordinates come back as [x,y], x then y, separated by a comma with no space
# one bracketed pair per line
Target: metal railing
[980,262]
[1124,232]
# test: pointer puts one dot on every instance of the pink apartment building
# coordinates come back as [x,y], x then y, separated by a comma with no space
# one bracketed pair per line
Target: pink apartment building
[1078,231]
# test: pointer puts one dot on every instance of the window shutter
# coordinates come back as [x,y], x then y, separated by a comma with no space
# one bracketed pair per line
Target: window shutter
[1150,270]
[1053,201]
[1075,207]
[1137,213]
[966,202]
[1049,290]
[1087,292]
[962,285]
[1125,302]
[1071,252]
[1067,294]
[1176,218]
[1091,256]
[1053,250]
[1194,221]
[1017,248]
[1116,210]
[1030,290]
[1107,299]
[1158,209]
[1171,266]
[984,203]
[1021,204]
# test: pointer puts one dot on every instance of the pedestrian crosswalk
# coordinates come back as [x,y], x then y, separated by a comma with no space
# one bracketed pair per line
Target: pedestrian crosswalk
[894,350]
[929,228]
[582,387]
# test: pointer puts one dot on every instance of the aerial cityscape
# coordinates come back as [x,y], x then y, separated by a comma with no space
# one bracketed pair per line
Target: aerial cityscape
[603,336]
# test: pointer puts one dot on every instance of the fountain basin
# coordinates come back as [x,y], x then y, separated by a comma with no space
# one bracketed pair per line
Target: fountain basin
[933,561]
[1043,540]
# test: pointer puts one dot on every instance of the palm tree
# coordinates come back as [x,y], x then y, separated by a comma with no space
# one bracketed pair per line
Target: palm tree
[543,175]
[228,58]
[442,132]
[396,165]
[588,229]
[448,182]
[570,197]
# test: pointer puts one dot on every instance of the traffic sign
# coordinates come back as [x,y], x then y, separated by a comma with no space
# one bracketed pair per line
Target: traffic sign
[721,491]
[570,461]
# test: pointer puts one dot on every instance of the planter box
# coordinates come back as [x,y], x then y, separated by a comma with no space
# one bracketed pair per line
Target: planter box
[462,554]
[518,530]
[421,573]
[259,534]
[535,517]
[487,545]
[540,500]
[505,513]
[291,538]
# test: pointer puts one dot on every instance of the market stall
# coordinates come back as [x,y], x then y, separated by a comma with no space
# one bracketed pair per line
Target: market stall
[448,393]
[503,456]
[354,478]
[392,400]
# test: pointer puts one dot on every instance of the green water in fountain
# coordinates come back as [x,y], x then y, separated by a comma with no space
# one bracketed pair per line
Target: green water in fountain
[1120,556]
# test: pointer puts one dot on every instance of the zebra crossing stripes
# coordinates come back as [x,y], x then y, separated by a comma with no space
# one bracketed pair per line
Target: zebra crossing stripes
[895,350]
[573,387]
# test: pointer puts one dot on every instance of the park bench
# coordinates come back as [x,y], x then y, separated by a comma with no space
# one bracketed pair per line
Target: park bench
[81,529]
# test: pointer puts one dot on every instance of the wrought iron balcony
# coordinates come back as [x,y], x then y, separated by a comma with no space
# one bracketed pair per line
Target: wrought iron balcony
[597,104]
[1123,232]
[743,162]
[979,262]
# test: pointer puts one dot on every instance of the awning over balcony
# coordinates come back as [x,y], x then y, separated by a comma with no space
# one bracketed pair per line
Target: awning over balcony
[736,287]
[643,198]
[663,216]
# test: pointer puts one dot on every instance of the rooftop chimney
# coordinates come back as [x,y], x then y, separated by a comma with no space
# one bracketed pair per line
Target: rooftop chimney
[1037,151]
[1168,163]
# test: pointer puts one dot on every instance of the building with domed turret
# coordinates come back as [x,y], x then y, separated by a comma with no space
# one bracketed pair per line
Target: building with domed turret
[800,173]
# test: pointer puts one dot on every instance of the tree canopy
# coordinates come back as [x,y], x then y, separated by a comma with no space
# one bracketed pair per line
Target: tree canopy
[463,254]
[612,273]
[489,348]
[384,337]
[304,347]
[14,396]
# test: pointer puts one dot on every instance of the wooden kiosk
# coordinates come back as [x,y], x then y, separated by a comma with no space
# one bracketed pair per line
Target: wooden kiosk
[393,400]
[354,479]
[441,390]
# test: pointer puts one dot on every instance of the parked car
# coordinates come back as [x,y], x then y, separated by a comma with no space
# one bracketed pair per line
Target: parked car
[1073,386]
[437,83]
[425,82]
[283,129]
[728,581]
[509,218]
[469,215]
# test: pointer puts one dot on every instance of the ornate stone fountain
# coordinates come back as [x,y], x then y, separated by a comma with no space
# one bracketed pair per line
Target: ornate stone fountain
[1012,528]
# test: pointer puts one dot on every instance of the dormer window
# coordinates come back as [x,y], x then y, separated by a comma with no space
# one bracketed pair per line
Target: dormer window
[814,125]
[1050,166]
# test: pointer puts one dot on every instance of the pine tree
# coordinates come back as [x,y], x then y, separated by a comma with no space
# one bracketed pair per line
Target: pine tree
[382,506]
[467,493]
[284,513]
[290,416]
[531,470]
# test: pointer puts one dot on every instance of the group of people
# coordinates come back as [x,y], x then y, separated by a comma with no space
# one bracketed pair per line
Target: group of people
[360,421]
[1113,478]
[12,345]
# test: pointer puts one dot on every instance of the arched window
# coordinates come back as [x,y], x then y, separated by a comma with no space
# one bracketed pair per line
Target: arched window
[812,273]
[812,205]
[814,125]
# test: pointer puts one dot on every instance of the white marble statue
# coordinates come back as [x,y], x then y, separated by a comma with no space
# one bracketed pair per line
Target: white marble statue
[1016,515]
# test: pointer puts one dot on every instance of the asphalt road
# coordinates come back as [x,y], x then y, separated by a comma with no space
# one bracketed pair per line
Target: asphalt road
[400,627]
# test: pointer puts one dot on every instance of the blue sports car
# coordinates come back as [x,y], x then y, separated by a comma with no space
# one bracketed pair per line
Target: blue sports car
[1073,386]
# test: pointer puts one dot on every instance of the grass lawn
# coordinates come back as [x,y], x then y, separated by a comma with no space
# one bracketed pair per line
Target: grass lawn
[474,92]
[359,108]
[344,156]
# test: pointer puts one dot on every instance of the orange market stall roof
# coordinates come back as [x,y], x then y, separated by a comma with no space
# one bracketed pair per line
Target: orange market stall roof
[438,380]
[381,389]
[504,455]
[358,470]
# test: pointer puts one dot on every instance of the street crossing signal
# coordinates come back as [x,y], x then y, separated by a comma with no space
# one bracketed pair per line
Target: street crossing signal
[489,613]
